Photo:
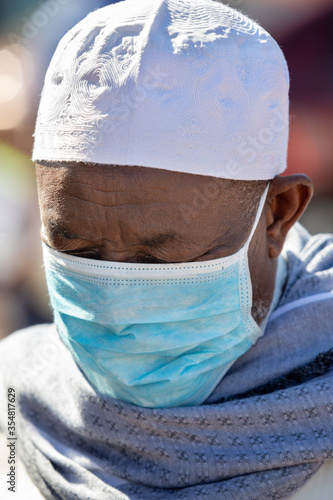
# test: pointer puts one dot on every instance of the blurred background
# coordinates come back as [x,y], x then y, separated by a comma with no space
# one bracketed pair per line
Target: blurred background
[29,33]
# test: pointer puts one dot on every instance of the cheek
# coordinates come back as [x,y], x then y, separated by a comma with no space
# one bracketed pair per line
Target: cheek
[262,267]
[262,270]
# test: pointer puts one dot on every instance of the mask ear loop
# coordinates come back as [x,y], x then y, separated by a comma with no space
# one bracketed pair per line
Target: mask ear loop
[248,293]
[259,213]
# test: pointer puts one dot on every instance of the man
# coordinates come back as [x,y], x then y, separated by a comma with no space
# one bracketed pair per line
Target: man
[191,355]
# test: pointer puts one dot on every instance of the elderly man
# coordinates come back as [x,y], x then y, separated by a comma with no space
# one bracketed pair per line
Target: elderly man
[191,355]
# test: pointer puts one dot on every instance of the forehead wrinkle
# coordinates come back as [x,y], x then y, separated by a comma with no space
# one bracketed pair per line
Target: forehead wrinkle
[120,189]
[126,196]
[118,205]
[140,177]
[133,179]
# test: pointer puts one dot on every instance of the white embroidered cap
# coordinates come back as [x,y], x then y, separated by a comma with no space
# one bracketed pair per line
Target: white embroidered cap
[185,85]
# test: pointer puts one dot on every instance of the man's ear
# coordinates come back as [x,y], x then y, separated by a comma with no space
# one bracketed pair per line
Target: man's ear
[287,199]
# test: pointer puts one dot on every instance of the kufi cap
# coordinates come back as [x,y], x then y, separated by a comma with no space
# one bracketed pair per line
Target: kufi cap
[184,85]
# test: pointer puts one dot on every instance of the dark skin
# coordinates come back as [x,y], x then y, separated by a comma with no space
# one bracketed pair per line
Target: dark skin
[145,215]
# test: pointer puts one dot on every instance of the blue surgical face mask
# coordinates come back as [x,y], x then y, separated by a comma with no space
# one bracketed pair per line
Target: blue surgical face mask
[149,334]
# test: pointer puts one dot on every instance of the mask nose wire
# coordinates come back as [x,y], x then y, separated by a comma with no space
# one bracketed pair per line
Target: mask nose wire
[259,212]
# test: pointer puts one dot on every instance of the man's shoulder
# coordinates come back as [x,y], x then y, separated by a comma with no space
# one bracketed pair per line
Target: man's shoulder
[31,359]
[27,351]
[309,264]
[26,339]
[307,248]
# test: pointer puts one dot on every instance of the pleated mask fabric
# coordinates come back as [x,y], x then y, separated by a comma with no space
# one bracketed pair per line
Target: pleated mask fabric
[156,336]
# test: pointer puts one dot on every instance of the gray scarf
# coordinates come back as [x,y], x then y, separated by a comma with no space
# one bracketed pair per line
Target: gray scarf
[267,427]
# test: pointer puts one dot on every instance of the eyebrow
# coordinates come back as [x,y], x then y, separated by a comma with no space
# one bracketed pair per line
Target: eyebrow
[56,229]
[158,239]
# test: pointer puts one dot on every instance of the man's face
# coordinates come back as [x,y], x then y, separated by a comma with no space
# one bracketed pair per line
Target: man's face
[144,215]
